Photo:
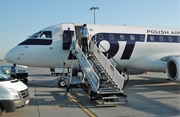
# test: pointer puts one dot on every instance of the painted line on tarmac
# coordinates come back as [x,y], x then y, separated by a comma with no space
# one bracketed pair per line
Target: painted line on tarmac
[85,109]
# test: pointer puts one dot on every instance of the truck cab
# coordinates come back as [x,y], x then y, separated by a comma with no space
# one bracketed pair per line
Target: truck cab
[13,93]
[21,71]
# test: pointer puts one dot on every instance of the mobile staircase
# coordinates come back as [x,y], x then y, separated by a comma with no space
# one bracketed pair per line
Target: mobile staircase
[102,80]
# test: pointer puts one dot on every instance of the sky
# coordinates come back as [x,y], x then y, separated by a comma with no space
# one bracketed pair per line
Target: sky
[21,18]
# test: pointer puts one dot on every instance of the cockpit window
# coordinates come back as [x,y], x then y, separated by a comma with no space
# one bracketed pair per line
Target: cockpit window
[41,34]
[36,35]
[46,34]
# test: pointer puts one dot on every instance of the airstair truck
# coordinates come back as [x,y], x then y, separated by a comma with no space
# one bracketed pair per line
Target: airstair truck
[13,93]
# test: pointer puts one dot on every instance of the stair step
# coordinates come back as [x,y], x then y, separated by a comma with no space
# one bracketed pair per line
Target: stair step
[101,103]
[104,79]
[107,83]
[111,97]
[109,92]
[108,88]
[114,103]
[109,80]
[114,99]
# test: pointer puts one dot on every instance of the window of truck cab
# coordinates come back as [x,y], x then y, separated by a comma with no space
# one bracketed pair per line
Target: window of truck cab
[4,76]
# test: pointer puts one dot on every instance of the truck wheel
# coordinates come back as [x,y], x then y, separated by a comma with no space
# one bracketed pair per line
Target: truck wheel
[25,80]
[62,83]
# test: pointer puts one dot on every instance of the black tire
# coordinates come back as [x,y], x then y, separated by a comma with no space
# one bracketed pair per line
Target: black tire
[62,83]
[25,80]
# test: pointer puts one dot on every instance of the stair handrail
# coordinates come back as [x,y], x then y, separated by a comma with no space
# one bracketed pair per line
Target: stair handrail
[123,70]
[91,75]
[109,67]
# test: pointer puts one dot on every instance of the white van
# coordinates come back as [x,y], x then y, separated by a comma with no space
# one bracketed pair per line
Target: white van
[13,93]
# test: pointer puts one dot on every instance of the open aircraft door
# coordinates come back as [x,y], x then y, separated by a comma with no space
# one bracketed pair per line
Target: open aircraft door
[67,32]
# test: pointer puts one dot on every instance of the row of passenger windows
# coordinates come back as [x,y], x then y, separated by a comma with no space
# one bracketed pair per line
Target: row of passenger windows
[123,37]
[142,37]
[162,38]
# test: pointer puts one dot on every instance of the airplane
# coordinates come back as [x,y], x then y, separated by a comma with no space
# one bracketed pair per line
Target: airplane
[137,49]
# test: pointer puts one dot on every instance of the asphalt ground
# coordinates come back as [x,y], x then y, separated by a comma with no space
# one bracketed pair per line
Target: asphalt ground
[149,95]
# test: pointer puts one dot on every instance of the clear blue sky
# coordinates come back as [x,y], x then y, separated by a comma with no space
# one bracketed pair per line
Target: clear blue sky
[21,18]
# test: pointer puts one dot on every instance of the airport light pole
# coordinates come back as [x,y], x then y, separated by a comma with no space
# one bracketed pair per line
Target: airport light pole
[94,8]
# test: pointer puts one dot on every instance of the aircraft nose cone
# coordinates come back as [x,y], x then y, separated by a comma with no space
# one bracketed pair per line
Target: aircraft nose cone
[9,56]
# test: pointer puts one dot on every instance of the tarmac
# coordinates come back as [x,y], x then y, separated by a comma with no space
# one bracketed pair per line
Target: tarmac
[149,95]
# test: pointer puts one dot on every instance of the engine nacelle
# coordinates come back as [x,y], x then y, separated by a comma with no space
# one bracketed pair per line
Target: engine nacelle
[173,68]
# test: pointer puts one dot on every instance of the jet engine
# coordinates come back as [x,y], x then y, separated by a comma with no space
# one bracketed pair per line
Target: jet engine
[173,68]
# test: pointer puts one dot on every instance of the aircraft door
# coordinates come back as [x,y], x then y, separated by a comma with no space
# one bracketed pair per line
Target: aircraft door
[67,39]
[67,31]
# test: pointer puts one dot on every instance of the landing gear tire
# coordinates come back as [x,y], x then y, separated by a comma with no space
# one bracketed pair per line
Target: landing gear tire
[62,83]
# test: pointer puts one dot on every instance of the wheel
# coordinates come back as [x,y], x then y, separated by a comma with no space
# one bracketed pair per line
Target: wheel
[62,83]
[25,80]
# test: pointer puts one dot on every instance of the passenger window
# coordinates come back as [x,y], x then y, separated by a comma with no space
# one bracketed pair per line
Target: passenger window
[161,38]
[152,38]
[142,37]
[111,36]
[132,37]
[178,39]
[101,36]
[122,37]
[170,38]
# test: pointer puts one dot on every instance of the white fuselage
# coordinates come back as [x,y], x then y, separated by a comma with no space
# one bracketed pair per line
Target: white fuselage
[140,48]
